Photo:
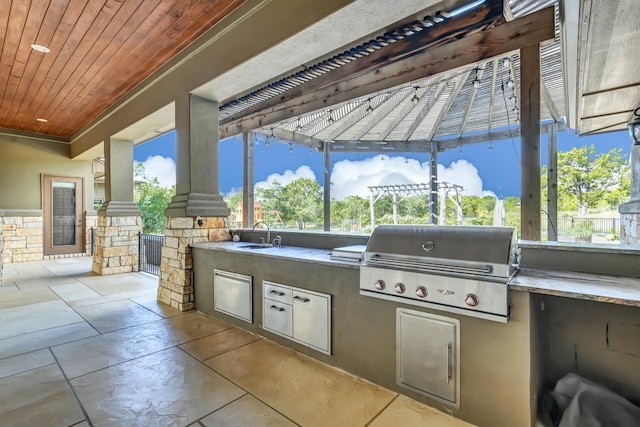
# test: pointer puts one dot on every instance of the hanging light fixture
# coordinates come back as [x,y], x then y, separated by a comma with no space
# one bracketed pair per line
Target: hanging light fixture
[369,107]
[270,137]
[506,62]
[330,119]
[415,98]
[298,127]
[476,81]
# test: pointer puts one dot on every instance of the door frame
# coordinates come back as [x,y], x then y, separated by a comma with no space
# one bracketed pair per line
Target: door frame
[47,216]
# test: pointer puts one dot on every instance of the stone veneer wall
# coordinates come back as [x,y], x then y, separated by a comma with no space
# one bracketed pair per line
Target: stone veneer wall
[116,244]
[22,236]
[176,266]
[630,229]
[24,239]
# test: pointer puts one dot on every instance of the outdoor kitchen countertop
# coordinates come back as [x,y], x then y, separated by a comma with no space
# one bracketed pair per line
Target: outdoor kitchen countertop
[297,253]
[585,286]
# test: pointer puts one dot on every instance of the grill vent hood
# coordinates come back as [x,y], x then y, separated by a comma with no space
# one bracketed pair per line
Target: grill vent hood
[445,244]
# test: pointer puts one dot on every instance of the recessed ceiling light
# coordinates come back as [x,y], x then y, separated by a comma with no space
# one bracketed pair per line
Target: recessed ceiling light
[40,48]
[41,120]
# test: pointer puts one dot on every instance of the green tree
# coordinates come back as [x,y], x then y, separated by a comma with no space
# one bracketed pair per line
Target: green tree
[589,176]
[271,198]
[302,200]
[351,212]
[512,213]
[152,200]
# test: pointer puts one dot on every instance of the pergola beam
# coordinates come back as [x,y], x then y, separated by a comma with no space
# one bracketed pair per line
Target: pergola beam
[484,16]
[530,29]
[530,142]
[421,146]
[297,138]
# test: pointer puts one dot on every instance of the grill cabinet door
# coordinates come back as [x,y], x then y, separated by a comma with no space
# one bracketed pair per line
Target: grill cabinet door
[428,354]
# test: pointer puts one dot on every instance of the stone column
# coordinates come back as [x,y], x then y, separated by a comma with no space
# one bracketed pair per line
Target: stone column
[630,211]
[119,220]
[197,213]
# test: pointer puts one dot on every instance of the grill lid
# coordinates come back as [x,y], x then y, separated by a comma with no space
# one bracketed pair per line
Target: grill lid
[483,250]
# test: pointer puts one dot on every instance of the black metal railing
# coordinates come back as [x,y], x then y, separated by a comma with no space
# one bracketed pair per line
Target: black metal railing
[92,241]
[150,253]
[595,225]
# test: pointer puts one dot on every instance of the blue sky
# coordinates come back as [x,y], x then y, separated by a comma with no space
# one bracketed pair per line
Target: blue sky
[498,169]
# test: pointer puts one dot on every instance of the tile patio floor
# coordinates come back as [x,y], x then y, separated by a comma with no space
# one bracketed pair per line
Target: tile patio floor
[85,350]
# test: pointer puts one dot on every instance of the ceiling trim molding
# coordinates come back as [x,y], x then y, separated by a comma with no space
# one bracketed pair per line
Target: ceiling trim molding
[35,136]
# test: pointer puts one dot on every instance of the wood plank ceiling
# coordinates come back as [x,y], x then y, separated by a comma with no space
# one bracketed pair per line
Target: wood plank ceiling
[99,50]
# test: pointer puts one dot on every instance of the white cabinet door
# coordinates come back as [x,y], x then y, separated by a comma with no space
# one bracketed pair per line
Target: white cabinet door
[277,317]
[311,319]
[232,294]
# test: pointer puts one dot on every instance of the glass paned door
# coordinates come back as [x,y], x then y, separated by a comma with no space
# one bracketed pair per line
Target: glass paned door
[64,213]
[62,210]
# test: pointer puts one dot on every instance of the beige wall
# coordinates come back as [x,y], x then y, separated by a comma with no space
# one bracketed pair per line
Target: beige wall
[23,160]
[599,341]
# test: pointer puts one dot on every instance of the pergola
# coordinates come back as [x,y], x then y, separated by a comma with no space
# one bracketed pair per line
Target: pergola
[452,78]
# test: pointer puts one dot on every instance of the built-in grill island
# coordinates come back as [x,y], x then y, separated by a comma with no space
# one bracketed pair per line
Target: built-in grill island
[459,269]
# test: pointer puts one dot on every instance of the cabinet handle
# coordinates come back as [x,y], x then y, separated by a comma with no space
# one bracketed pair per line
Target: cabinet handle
[276,292]
[273,307]
[448,363]
[301,299]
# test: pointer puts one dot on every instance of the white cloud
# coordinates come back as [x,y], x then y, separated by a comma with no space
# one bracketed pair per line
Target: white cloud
[464,173]
[287,176]
[164,168]
[353,177]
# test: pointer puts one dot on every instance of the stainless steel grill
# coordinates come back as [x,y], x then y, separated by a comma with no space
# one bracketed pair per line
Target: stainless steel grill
[461,269]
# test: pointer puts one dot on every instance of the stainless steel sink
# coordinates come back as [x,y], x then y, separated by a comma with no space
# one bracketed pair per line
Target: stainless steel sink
[256,246]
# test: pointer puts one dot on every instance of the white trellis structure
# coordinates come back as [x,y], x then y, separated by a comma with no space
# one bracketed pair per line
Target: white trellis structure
[397,192]
[452,192]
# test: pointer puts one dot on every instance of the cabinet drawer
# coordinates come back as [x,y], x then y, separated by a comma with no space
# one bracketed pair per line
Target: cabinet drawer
[232,294]
[276,293]
[277,317]
[312,319]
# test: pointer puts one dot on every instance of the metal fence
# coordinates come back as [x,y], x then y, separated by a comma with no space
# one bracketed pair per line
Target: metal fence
[150,253]
[596,225]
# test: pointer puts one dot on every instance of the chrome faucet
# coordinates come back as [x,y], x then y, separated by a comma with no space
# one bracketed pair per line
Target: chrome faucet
[268,232]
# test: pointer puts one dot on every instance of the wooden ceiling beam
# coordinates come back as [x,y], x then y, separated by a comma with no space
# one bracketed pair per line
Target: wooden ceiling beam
[528,30]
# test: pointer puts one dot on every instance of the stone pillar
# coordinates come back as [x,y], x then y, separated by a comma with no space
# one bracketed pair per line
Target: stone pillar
[119,221]
[197,213]
[630,211]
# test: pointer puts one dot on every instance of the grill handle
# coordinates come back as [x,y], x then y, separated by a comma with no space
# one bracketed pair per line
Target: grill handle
[448,362]
[421,265]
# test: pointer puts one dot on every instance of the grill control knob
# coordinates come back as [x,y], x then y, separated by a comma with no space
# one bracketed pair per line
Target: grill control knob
[421,291]
[399,288]
[471,300]
[379,285]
